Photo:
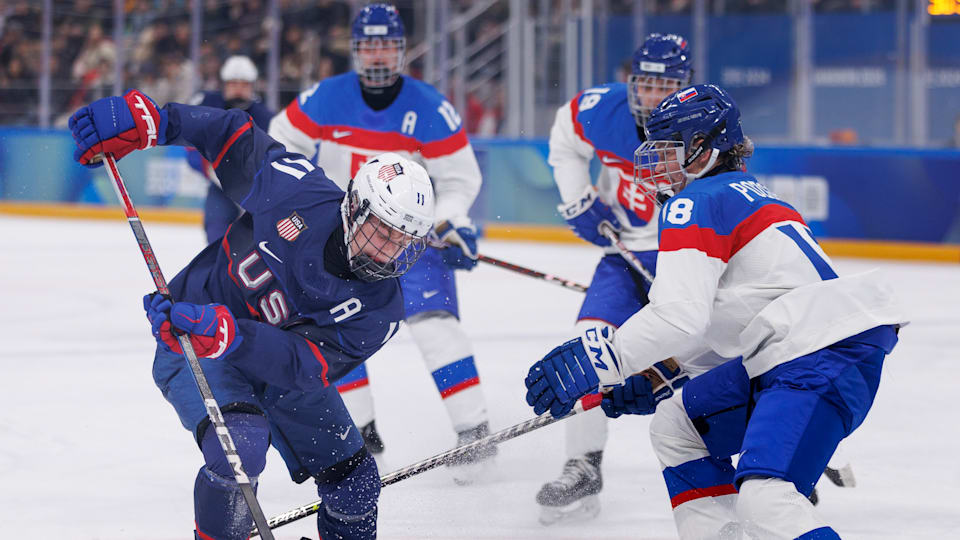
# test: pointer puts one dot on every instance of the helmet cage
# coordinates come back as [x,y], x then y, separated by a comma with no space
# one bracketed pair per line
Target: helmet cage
[646,85]
[376,250]
[373,61]
[660,167]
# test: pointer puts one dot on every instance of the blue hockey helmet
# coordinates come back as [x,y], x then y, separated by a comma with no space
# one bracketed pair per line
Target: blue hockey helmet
[379,45]
[661,66]
[698,119]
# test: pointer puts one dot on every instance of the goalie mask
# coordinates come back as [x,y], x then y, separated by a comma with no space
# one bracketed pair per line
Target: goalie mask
[387,214]
[699,119]
[378,44]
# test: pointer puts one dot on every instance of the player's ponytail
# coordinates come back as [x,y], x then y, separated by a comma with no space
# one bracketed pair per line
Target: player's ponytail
[735,158]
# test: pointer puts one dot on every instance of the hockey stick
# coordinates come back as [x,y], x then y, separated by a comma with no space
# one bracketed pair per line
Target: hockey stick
[588,402]
[213,409]
[565,283]
[632,260]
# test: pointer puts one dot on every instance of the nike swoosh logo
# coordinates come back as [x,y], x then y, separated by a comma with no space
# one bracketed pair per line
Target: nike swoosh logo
[343,436]
[429,294]
[263,247]
[340,134]
[606,159]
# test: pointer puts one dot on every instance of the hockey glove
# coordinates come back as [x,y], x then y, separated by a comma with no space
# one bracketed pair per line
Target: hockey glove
[641,393]
[461,238]
[585,214]
[117,125]
[212,327]
[579,367]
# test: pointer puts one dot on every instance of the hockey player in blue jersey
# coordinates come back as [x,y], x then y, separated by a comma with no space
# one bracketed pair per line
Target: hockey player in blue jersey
[739,267]
[301,290]
[607,122]
[238,76]
[375,108]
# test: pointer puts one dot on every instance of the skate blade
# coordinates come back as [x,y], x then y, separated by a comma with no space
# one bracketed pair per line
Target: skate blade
[584,509]
[842,477]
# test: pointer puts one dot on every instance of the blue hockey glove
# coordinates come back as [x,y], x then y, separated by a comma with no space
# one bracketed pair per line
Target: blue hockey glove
[117,125]
[461,238]
[641,393]
[585,214]
[580,366]
[212,327]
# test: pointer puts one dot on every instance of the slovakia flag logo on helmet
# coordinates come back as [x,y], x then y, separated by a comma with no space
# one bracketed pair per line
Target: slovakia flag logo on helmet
[687,94]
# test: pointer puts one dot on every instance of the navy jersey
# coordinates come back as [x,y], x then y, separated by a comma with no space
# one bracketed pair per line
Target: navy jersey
[281,268]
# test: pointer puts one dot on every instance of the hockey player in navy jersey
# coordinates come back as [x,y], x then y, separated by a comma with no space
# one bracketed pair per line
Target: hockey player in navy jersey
[607,122]
[740,267]
[375,109]
[301,290]
[238,74]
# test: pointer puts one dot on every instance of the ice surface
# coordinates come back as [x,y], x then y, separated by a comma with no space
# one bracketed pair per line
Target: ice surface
[90,450]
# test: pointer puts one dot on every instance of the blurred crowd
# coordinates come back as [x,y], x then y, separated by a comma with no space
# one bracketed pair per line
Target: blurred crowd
[155,53]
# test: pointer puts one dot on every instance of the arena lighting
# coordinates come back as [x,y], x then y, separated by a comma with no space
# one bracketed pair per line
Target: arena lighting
[943,7]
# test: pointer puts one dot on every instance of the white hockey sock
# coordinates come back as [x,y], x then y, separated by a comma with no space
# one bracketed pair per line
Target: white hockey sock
[772,508]
[355,392]
[448,355]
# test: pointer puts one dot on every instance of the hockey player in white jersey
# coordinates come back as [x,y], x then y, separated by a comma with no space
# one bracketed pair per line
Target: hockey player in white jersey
[740,267]
[607,121]
[374,109]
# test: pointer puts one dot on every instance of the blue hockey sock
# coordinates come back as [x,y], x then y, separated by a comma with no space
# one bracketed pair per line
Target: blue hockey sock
[823,533]
[349,491]
[220,511]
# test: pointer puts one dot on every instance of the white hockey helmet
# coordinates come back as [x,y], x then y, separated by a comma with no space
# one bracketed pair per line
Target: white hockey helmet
[387,214]
[238,68]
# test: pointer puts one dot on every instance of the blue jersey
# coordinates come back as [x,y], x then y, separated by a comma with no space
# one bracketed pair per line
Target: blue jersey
[282,267]
[257,110]
[332,120]
[598,122]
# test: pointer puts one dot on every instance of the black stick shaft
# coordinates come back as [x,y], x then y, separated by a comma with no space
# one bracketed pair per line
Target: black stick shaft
[213,409]
[512,432]
[632,260]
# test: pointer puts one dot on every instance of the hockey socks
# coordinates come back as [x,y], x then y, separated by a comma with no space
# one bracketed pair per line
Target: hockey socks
[349,491]
[220,511]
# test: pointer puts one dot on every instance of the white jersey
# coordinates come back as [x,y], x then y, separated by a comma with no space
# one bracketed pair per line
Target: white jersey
[740,267]
[598,122]
[419,124]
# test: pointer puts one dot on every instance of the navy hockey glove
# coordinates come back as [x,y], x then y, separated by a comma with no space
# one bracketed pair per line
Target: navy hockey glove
[585,214]
[579,367]
[212,327]
[641,393]
[117,125]
[461,238]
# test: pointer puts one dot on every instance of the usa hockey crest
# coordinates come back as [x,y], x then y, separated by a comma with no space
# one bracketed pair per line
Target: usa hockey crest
[289,228]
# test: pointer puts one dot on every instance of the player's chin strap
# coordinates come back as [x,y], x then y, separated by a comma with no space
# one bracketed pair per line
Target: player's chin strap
[588,402]
[607,230]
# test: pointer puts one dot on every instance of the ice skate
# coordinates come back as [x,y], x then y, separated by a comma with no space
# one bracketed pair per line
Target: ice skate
[472,466]
[371,438]
[573,496]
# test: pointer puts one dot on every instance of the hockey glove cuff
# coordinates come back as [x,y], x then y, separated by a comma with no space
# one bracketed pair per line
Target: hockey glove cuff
[117,125]
[212,327]
[641,393]
[585,214]
[461,238]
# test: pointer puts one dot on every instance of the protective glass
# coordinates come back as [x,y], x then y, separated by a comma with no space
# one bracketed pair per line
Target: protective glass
[379,61]
[658,169]
[645,92]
